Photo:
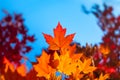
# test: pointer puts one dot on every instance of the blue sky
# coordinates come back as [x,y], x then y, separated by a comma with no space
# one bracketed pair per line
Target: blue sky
[43,15]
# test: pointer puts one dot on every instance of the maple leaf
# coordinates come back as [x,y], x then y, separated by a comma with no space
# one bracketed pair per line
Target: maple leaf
[85,66]
[59,40]
[104,49]
[42,68]
[103,77]
[65,63]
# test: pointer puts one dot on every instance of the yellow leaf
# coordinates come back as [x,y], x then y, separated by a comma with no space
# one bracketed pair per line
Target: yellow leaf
[65,64]
[85,66]
[77,76]
[103,77]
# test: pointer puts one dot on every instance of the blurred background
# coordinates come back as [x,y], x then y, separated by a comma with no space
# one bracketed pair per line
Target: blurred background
[44,15]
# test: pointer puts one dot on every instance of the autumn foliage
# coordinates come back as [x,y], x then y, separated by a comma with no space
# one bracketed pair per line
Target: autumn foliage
[64,58]
[110,46]
[13,45]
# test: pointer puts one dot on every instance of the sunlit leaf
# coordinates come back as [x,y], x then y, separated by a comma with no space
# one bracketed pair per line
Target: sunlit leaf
[42,68]
[104,49]
[85,66]
[65,64]
[59,40]
[103,77]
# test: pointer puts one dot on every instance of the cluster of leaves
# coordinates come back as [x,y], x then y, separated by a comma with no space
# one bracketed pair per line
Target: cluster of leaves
[13,44]
[13,38]
[63,59]
[110,25]
[61,56]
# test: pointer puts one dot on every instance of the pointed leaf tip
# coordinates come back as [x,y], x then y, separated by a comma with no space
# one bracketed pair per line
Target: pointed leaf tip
[59,26]
[59,23]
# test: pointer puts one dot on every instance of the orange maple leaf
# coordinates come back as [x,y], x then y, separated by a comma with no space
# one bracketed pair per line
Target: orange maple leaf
[43,68]
[85,66]
[104,49]
[59,40]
